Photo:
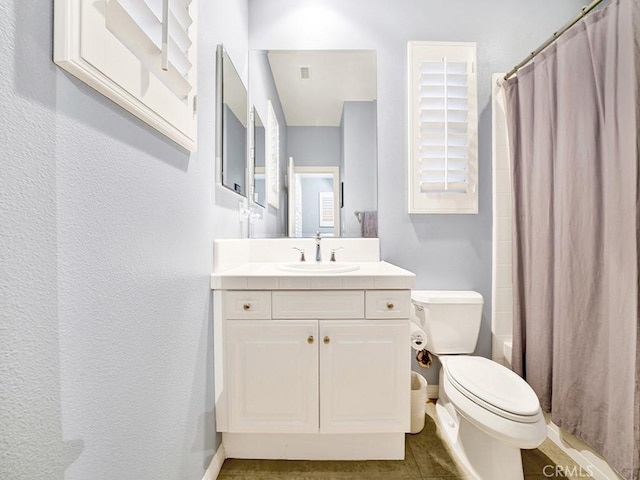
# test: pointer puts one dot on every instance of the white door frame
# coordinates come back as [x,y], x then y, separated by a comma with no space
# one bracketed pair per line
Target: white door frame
[326,170]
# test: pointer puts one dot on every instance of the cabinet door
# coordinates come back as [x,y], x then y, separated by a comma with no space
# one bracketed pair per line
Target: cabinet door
[365,376]
[273,376]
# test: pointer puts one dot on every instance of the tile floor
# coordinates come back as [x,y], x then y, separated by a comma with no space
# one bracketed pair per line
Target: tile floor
[426,458]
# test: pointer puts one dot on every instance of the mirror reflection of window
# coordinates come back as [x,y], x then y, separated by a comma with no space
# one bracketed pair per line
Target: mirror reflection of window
[272,154]
[326,103]
[258,159]
[325,210]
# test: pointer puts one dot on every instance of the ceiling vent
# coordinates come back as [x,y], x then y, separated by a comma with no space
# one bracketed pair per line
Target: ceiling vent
[305,72]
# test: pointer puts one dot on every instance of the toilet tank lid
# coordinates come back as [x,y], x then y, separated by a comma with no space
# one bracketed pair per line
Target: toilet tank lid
[426,297]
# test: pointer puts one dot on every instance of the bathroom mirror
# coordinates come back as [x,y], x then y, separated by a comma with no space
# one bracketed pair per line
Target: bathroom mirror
[258,151]
[326,106]
[231,120]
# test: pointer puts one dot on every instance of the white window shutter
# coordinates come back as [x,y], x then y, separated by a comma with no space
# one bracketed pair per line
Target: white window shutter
[139,53]
[273,157]
[443,132]
[139,24]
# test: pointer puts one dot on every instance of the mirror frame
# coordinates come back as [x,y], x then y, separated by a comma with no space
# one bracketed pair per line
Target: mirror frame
[221,53]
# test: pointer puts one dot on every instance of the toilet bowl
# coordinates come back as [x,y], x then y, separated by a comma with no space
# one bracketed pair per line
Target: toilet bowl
[486,412]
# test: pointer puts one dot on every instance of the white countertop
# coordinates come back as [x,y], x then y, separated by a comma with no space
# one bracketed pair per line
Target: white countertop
[268,276]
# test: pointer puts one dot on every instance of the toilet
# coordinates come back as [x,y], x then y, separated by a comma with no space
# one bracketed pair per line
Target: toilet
[486,412]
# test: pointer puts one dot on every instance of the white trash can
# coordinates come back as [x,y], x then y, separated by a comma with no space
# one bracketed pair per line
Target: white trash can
[418,402]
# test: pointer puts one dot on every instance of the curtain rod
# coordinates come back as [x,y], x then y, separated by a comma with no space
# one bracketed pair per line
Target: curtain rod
[585,10]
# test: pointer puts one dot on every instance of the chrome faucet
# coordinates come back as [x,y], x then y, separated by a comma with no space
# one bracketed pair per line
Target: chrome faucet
[318,254]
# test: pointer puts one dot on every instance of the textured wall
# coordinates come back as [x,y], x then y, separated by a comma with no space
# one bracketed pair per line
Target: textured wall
[106,231]
[31,436]
[445,251]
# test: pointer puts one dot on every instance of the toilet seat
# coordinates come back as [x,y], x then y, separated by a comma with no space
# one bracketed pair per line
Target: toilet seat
[493,387]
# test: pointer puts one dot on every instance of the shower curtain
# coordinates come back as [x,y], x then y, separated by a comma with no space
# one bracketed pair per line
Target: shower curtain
[573,118]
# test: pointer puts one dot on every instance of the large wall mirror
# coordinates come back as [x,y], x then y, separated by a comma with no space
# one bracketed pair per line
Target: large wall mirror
[231,120]
[326,104]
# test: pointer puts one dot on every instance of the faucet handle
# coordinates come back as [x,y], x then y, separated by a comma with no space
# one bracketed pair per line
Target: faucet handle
[333,254]
[302,259]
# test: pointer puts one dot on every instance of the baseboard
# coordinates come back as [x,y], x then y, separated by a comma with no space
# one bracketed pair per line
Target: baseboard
[216,464]
[590,462]
[314,446]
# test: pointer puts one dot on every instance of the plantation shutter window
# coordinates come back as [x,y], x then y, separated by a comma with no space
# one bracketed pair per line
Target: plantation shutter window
[443,128]
[157,33]
[139,53]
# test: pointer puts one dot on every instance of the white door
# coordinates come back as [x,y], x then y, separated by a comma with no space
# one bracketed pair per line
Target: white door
[273,376]
[365,376]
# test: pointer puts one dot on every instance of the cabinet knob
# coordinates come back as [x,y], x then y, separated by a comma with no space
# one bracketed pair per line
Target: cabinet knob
[310,339]
[326,340]
[246,306]
[389,305]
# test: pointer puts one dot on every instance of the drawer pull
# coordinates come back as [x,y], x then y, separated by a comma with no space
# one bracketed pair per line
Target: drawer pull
[246,306]
[310,339]
[326,340]
[389,306]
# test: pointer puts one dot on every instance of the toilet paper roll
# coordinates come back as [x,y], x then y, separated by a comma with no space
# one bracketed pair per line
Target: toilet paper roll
[418,337]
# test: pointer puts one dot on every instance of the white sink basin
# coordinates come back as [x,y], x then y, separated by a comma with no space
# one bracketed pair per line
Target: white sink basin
[324,268]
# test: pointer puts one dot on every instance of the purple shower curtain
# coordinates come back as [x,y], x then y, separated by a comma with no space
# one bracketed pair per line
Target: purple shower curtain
[573,117]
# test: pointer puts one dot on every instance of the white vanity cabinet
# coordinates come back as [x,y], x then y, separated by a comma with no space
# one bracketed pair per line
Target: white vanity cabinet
[364,376]
[272,377]
[306,376]
[305,370]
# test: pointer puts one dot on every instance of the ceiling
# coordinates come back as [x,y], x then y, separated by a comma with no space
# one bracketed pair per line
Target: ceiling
[336,76]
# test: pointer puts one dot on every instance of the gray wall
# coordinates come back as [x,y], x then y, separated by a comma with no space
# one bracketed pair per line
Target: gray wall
[314,146]
[106,362]
[445,251]
[359,164]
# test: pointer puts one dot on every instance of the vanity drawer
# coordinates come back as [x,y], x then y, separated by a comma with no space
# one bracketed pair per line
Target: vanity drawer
[388,303]
[245,305]
[318,304]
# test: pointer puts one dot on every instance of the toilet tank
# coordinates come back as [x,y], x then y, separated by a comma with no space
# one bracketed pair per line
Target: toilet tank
[451,319]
